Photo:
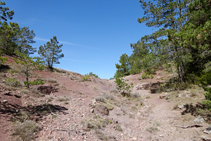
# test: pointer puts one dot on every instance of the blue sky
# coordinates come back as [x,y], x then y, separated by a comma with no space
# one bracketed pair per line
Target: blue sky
[94,33]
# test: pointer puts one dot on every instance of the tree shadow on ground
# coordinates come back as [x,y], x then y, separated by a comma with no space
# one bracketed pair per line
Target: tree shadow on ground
[196,110]
[47,89]
[31,112]
[4,68]
[45,109]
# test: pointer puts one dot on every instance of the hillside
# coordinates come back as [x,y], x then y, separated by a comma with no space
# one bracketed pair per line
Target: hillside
[70,106]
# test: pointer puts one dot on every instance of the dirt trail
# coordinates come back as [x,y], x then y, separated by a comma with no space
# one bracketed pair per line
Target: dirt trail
[93,110]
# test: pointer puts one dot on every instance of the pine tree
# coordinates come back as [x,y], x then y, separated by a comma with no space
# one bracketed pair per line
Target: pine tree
[51,52]
[169,16]
[123,68]
[5,13]
[7,38]
[24,39]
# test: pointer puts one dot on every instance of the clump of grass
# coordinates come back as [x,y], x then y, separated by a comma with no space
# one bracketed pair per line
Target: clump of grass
[66,103]
[61,99]
[135,95]
[118,128]
[102,135]
[123,110]
[100,99]
[134,108]
[27,130]
[52,80]
[86,78]
[49,99]
[54,116]
[109,97]
[106,122]
[21,117]
[114,91]
[147,97]
[91,124]
[152,130]
[12,82]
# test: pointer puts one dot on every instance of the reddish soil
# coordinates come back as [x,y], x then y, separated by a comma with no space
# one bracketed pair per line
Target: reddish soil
[73,109]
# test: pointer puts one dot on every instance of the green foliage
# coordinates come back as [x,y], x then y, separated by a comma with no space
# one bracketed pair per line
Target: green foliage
[35,82]
[4,12]
[51,52]
[207,95]
[7,38]
[86,77]
[205,80]
[24,38]
[3,60]
[123,68]
[122,86]
[29,64]
[147,76]
[12,82]
[92,74]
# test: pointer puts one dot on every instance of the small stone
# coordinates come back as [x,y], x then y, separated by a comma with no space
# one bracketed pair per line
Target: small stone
[180,106]
[208,130]
[199,119]
[92,110]
[4,101]
[187,95]
[205,138]
[139,77]
[179,95]
[158,77]
[134,138]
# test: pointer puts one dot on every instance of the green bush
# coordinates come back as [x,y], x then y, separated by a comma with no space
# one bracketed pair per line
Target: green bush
[205,80]
[123,86]
[145,76]
[41,67]
[92,74]
[86,77]
[12,82]
[35,82]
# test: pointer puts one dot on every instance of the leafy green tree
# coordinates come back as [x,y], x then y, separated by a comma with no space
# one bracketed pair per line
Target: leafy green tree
[51,52]
[24,38]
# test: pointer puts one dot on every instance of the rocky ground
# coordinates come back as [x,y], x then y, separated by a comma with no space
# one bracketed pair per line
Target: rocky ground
[69,107]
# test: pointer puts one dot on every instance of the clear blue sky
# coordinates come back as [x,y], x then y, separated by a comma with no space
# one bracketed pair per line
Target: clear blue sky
[94,33]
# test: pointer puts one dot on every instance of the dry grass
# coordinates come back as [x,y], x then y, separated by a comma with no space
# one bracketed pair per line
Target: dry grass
[27,130]
[118,128]
[61,99]
[100,99]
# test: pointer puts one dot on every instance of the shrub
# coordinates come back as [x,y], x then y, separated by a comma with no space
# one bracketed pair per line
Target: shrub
[92,74]
[100,99]
[122,86]
[145,75]
[86,77]
[35,82]
[12,82]
[27,130]
[61,99]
